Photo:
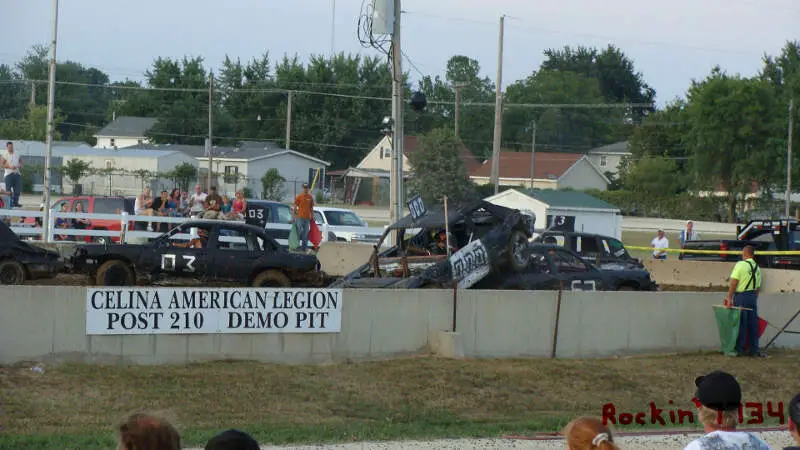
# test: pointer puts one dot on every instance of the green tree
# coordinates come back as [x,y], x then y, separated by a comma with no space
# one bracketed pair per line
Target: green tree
[733,125]
[183,174]
[13,90]
[32,127]
[654,177]
[75,169]
[272,184]
[439,169]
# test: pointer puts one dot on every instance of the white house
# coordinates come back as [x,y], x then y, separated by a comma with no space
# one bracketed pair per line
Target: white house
[130,160]
[244,165]
[125,131]
[578,211]
[609,157]
[380,157]
[551,171]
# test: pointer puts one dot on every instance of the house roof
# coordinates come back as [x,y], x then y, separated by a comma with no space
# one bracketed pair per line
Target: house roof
[620,148]
[568,199]
[245,151]
[37,148]
[412,144]
[111,153]
[128,126]
[549,165]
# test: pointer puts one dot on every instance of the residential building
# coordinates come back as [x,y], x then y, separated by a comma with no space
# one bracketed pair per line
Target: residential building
[608,158]
[243,166]
[125,131]
[380,157]
[551,171]
[564,210]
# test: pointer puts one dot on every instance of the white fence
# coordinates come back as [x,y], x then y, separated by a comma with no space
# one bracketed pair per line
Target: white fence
[125,231]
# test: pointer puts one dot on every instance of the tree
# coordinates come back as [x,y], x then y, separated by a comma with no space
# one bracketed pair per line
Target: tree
[654,177]
[272,184]
[75,169]
[733,124]
[32,127]
[439,169]
[183,174]
[13,90]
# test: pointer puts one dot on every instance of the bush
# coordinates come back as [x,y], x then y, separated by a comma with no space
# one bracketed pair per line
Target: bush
[678,206]
[248,193]
[319,198]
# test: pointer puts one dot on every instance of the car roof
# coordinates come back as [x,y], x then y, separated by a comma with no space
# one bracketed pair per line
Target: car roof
[330,208]
[265,202]
[578,233]
[211,223]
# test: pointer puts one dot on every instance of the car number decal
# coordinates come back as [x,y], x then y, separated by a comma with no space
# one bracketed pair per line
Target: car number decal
[168,262]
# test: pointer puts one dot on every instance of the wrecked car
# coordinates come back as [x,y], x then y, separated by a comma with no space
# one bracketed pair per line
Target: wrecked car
[20,261]
[483,238]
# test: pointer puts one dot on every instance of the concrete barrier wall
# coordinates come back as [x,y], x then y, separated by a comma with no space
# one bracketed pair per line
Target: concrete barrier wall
[48,324]
[709,273]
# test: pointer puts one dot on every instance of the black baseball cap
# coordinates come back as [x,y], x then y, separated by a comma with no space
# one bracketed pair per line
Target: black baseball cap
[718,391]
[232,440]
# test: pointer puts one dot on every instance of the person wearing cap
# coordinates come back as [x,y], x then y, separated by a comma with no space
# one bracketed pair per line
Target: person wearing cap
[794,422]
[301,215]
[232,440]
[658,243]
[743,293]
[718,398]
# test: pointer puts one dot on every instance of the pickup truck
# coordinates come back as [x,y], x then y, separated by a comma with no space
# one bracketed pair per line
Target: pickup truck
[763,235]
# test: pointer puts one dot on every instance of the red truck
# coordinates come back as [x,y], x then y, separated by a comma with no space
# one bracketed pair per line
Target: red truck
[99,205]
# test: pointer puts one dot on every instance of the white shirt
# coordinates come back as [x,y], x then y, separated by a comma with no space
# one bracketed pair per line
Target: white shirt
[198,201]
[659,243]
[727,440]
[12,159]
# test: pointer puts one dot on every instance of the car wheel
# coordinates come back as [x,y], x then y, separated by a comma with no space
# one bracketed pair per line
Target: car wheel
[517,251]
[11,272]
[114,273]
[271,278]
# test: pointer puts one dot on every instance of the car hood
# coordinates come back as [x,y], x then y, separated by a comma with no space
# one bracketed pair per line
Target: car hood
[11,244]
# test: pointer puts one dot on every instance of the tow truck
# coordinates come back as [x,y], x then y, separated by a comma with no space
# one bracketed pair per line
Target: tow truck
[763,235]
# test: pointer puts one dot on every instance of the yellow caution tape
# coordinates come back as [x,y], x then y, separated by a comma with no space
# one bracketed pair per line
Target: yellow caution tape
[713,252]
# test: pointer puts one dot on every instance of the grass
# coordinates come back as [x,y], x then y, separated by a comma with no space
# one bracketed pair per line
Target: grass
[76,406]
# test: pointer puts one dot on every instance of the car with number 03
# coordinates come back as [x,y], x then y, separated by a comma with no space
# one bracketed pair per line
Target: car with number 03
[483,238]
[202,251]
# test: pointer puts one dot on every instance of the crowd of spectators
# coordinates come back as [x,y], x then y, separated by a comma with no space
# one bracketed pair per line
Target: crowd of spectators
[199,205]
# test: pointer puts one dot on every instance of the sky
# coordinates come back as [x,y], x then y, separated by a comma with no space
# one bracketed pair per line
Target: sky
[671,42]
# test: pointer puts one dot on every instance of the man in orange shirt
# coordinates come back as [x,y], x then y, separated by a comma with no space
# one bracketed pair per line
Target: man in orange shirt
[302,214]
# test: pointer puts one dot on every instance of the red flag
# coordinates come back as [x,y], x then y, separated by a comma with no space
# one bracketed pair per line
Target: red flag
[762,325]
[314,234]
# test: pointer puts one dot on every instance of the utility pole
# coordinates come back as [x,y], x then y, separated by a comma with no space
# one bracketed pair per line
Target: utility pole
[533,152]
[210,143]
[789,161]
[289,121]
[457,86]
[33,94]
[51,100]
[333,29]
[498,112]
[396,173]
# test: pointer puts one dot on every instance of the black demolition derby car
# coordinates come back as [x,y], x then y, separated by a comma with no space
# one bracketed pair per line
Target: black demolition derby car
[490,249]
[203,251]
[20,261]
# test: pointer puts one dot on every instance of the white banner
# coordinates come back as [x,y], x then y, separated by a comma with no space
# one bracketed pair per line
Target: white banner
[138,310]
[470,264]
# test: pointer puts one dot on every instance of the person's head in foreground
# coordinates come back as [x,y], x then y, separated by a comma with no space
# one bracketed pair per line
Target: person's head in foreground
[748,252]
[588,433]
[232,440]
[794,420]
[718,398]
[146,432]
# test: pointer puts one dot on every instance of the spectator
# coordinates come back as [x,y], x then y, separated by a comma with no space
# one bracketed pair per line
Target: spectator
[213,205]
[161,208]
[239,205]
[794,422]
[143,205]
[589,433]
[718,398]
[145,432]
[197,202]
[12,162]
[5,197]
[302,214]
[232,440]
[658,243]
[63,223]
[688,233]
[184,204]
[226,206]
[743,292]
[79,223]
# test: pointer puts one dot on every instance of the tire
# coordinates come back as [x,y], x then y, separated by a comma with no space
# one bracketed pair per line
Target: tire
[516,251]
[11,272]
[114,273]
[271,278]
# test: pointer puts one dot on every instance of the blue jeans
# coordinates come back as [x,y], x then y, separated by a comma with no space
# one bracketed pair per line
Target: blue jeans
[660,257]
[14,183]
[748,326]
[303,227]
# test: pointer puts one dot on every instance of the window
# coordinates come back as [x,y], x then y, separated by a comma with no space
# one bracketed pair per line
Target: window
[614,247]
[109,164]
[112,142]
[284,215]
[603,161]
[386,152]
[84,205]
[318,218]
[107,206]
[567,262]
[233,239]
[586,246]
[231,174]
[343,218]
[540,263]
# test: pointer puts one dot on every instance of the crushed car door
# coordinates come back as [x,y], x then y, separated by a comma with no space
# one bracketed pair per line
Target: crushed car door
[235,254]
[574,272]
[176,257]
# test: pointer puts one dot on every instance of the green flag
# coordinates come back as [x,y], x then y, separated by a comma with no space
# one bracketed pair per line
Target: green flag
[294,239]
[728,327]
